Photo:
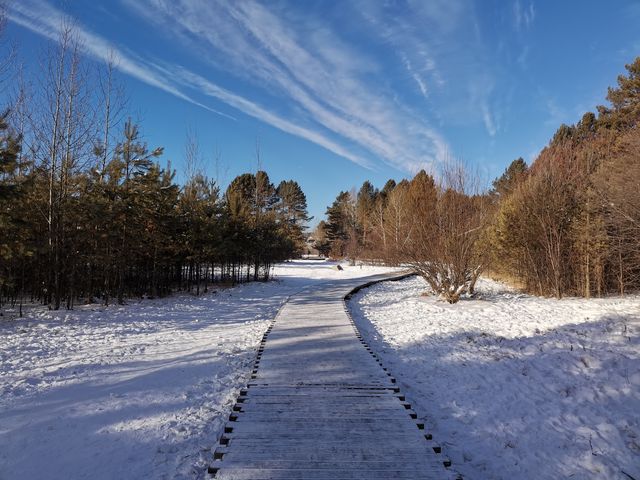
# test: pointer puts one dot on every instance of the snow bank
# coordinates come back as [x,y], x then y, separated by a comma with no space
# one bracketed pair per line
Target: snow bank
[136,391]
[515,386]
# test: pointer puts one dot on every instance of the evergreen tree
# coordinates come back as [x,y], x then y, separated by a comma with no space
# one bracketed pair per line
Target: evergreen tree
[625,99]
[240,196]
[92,218]
[388,187]
[131,164]
[265,193]
[10,148]
[320,240]
[338,224]
[365,202]
[292,211]
[11,226]
[513,175]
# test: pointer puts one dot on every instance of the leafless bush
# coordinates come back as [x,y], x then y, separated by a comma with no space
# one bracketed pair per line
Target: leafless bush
[447,221]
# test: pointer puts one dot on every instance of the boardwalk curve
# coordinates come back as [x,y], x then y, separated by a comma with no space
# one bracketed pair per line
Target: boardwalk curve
[320,405]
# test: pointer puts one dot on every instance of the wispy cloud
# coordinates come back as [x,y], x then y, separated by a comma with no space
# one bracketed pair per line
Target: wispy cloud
[422,85]
[210,89]
[441,48]
[310,81]
[522,58]
[556,114]
[523,16]
[165,77]
[488,121]
[49,21]
[319,79]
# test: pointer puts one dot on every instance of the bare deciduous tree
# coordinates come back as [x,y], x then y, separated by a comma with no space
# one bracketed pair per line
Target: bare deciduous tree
[447,222]
[63,130]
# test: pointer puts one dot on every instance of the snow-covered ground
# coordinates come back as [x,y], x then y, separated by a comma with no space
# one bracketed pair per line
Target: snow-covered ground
[515,386]
[139,391]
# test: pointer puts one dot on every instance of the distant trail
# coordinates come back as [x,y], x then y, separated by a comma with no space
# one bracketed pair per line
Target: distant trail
[320,405]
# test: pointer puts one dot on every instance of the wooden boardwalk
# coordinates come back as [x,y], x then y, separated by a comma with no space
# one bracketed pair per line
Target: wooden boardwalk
[320,405]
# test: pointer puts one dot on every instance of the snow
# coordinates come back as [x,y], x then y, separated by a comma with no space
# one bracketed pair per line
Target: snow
[514,386]
[511,386]
[136,391]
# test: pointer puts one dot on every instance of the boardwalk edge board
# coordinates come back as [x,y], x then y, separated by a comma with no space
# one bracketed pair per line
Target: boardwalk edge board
[269,465]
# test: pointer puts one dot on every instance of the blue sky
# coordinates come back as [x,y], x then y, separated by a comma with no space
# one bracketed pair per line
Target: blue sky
[337,92]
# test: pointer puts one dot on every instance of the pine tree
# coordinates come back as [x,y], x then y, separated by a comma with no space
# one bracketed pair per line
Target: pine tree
[365,202]
[292,211]
[320,240]
[10,148]
[625,100]
[513,175]
[338,224]
[131,163]
[11,232]
[91,216]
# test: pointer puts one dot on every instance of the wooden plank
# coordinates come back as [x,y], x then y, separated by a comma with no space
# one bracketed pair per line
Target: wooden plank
[338,413]
[334,450]
[415,466]
[247,473]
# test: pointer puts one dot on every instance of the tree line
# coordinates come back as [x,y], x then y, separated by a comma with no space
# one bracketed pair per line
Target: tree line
[568,224]
[88,213]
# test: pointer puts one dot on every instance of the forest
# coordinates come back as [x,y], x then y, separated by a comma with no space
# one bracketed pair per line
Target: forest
[89,212]
[568,224]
